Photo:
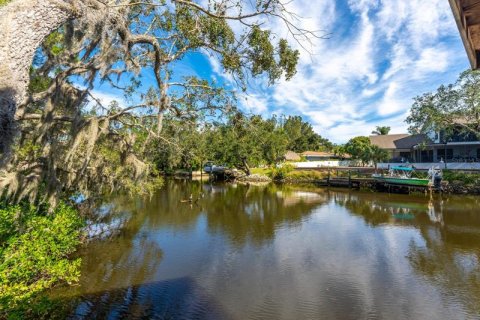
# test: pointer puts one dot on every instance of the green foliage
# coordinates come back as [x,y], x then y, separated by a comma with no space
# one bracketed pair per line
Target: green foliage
[243,142]
[359,148]
[462,177]
[240,142]
[301,136]
[376,154]
[454,106]
[183,145]
[35,252]
[305,175]
[91,147]
[379,130]
[4,2]
[265,171]
[281,172]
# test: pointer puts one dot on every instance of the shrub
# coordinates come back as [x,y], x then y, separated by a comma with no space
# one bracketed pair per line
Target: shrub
[307,175]
[281,172]
[465,178]
[35,249]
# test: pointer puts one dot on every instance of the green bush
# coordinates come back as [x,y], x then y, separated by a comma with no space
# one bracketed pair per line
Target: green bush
[307,175]
[465,178]
[35,252]
[281,172]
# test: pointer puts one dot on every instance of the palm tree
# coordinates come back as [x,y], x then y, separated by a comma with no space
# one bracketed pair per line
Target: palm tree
[381,131]
[377,154]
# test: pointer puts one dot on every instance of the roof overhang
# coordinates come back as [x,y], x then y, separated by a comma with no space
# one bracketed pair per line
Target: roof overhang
[467,17]
[449,144]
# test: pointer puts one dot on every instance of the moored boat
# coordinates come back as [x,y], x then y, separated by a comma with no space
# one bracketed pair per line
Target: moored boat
[402,176]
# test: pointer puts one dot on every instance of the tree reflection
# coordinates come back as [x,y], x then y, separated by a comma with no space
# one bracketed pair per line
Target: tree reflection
[450,258]
[381,209]
[450,227]
[240,212]
[131,276]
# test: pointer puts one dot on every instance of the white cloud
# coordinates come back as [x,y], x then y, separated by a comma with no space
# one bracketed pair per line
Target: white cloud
[253,103]
[380,55]
[433,59]
[105,99]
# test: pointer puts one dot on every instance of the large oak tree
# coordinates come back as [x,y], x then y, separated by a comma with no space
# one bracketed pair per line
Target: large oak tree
[66,145]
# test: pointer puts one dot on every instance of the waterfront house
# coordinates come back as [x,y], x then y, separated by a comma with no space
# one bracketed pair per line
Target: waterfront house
[455,150]
[400,147]
[455,146]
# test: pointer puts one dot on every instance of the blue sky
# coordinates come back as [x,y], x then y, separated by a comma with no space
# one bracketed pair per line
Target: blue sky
[380,54]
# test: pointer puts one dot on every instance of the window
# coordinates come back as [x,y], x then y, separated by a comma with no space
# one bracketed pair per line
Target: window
[441,154]
[426,156]
[405,156]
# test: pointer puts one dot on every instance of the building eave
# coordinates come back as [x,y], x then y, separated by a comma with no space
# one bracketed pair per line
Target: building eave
[467,18]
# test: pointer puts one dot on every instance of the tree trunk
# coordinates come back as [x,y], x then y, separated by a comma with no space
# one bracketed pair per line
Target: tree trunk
[246,167]
[24,24]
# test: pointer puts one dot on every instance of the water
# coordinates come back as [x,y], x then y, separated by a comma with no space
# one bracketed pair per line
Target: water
[283,252]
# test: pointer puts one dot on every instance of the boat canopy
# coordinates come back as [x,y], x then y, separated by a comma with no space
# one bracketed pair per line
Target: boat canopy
[402,168]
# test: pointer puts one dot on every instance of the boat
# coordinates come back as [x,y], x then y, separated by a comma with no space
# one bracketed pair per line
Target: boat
[404,216]
[402,176]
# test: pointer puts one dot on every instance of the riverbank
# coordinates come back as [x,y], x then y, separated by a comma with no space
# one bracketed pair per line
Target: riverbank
[455,182]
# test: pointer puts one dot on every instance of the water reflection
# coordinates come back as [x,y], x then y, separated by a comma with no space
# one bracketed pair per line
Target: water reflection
[178,298]
[240,212]
[284,252]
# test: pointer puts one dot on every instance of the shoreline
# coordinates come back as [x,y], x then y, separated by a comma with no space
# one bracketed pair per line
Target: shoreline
[454,187]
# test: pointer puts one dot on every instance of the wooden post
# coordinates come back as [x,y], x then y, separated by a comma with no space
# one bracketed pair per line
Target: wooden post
[328,178]
[349,179]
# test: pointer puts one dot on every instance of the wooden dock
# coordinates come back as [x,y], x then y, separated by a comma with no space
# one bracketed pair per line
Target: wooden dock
[344,177]
[356,178]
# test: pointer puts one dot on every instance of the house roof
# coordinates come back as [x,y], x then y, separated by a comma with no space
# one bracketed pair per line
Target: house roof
[292,156]
[398,141]
[317,154]
[467,17]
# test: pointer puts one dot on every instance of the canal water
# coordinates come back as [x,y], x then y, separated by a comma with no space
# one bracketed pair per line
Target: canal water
[282,252]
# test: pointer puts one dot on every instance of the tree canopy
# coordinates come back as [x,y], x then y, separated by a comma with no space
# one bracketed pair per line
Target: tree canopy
[454,105]
[381,130]
[240,141]
[361,148]
[302,137]
[243,142]
[70,141]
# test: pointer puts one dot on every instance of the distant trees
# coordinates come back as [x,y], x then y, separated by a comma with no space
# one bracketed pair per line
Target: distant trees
[360,148]
[454,105]
[239,141]
[379,130]
[243,142]
[301,136]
